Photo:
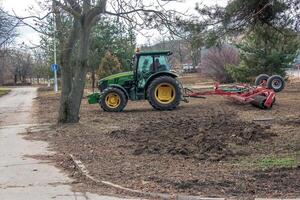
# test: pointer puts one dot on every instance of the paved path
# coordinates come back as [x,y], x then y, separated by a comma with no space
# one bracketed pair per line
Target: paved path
[23,178]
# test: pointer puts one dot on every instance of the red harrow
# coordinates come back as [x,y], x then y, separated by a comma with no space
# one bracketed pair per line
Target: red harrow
[262,95]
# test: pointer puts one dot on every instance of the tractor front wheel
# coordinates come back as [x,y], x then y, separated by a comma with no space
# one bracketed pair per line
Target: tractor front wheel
[164,93]
[113,100]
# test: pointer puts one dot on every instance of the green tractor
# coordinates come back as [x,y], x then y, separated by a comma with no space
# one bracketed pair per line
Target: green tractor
[150,79]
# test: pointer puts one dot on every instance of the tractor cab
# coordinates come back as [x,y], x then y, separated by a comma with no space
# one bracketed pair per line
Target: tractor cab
[148,64]
[150,79]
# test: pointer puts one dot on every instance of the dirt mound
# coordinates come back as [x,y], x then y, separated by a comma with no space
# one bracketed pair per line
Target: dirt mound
[202,138]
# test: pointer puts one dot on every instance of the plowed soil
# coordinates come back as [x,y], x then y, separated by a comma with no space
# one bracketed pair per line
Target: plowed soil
[210,147]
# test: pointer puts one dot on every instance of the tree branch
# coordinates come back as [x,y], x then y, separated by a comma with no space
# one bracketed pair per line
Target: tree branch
[67,9]
[97,10]
[74,5]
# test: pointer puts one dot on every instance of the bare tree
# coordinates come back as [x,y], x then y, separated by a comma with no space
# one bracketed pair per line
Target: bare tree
[40,66]
[7,28]
[22,63]
[7,36]
[215,61]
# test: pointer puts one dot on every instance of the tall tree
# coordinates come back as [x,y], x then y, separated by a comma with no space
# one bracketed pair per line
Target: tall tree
[241,16]
[7,35]
[112,35]
[262,30]
[265,51]
[84,15]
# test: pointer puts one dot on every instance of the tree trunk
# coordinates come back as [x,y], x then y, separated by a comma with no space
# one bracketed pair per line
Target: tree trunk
[93,80]
[66,83]
[73,87]
[16,79]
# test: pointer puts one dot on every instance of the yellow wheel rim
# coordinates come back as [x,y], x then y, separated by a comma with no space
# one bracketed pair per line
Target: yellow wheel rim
[113,100]
[165,93]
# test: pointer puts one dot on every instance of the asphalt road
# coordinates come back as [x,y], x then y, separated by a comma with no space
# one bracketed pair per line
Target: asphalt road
[22,177]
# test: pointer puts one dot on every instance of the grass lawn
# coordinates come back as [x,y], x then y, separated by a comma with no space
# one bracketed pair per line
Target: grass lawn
[4,91]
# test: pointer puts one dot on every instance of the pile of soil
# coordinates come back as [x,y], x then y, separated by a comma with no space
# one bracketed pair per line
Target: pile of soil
[202,138]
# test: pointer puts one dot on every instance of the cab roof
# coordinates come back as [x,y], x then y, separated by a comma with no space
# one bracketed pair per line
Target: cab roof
[161,52]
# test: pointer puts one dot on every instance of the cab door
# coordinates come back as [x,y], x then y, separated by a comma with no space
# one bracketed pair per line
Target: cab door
[144,70]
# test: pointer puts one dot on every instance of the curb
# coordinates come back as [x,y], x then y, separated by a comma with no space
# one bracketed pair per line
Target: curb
[86,173]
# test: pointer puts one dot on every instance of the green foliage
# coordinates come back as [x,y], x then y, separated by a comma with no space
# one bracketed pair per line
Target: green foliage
[239,72]
[287,161]
[271,162]
[253,12]
[115,37]
[277,162]
[4,91]
[109,65]
[265,51]
[240,16]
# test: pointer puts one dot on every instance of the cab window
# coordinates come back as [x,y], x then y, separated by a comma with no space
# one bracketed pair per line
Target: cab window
[144,65]
[162,63]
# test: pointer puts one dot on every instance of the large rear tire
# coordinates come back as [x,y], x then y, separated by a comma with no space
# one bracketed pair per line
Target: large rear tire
[164,93]
[113,100]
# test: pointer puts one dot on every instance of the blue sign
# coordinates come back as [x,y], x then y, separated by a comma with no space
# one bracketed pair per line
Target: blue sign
[54,67]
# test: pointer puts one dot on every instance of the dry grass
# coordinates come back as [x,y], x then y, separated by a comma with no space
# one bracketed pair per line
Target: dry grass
[267,167]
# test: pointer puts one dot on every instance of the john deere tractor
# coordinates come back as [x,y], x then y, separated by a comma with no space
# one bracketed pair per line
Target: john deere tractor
[151,79]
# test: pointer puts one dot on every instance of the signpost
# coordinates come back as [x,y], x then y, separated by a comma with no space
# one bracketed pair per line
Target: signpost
[54,68]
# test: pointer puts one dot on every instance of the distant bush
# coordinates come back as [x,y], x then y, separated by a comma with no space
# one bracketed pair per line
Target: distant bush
[215,61]
[109,65]
[239,73]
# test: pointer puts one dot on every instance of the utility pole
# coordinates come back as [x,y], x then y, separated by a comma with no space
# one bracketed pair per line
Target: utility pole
[54,52]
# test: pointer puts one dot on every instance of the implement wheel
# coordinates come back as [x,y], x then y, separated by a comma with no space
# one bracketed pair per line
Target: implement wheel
[164,93]
[113,100]
[276,83]
[261,79]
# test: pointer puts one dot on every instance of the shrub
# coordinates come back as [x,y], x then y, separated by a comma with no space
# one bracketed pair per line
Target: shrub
[215,61]
[109,65]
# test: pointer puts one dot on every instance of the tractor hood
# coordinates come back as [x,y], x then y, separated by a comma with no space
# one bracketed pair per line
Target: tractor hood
[116,79]
[119,75]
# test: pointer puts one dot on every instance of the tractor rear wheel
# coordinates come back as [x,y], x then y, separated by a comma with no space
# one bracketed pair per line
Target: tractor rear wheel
[164,93]
[113,100]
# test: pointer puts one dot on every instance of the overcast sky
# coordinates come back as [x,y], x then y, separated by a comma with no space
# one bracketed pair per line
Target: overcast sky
[30,37]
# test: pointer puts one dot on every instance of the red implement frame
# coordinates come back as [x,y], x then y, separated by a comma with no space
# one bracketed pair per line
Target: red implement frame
[239,93]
